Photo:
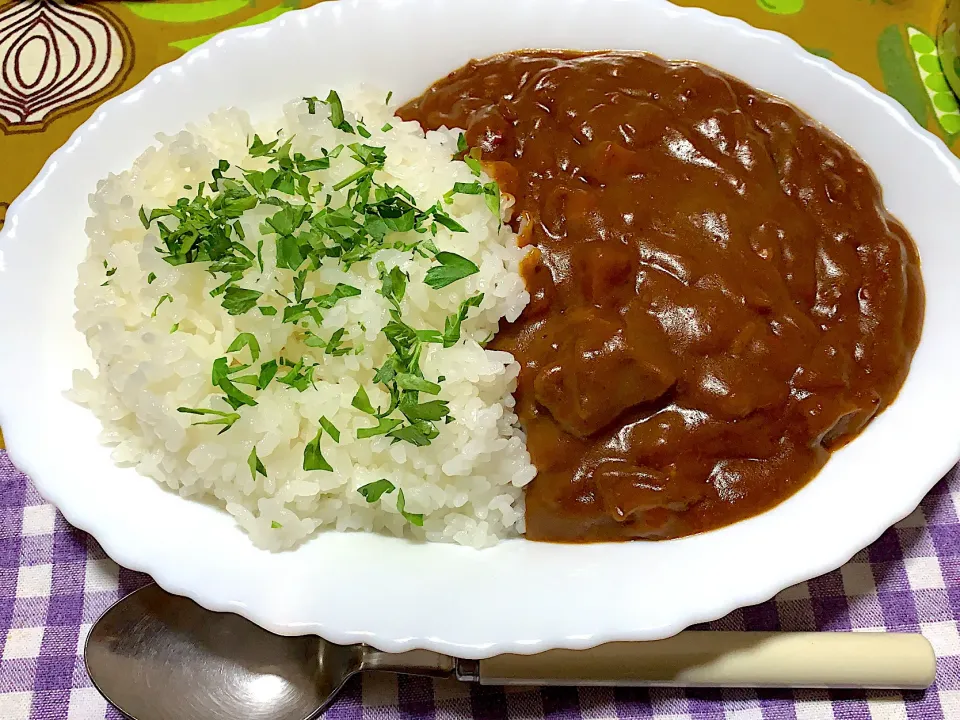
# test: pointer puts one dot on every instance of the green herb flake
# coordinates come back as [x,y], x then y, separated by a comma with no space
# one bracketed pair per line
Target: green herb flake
[311,104]
[452,267]
[461,143]
[255,465]
[393,284]
[361,401]
[330,429]
[220,377]
[340,292]
[430,336]
[377,489]
[406,381]
[491,195]
[334,344]
[150,278]
[220,417]
[387,127]
[268,371]
[299,281]
[299,377]
[163,299]
[451,330]
[237,300]
[412,518]
[419,434]
[336,113]
[383,426]
[389,95]
[246,340]
[260,149]
[267,310]
[275,525]
[431,411]
[174,328]
[472,188]
[312,457]
[293,313]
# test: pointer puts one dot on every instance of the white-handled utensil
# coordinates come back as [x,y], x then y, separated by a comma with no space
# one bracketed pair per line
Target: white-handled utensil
[157,656]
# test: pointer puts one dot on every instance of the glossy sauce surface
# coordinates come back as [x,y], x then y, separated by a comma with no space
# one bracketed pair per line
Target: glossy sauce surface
[719,297]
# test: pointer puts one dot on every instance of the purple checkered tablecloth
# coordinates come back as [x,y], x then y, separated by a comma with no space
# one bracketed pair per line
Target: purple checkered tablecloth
[55,581]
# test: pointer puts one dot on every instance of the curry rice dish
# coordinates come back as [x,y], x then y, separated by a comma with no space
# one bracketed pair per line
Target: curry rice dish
[577,296]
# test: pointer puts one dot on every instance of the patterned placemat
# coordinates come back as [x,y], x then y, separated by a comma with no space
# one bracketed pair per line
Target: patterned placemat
[55,580]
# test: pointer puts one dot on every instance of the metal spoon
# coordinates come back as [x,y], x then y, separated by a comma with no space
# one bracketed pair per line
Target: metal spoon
[158,656]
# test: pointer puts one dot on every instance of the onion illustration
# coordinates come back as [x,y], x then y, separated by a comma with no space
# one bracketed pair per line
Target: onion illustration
[54,55]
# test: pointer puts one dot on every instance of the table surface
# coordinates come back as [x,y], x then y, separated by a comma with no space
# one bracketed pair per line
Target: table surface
[55,580]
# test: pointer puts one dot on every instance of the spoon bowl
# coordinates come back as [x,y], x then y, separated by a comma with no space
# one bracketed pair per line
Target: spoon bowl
[152,645]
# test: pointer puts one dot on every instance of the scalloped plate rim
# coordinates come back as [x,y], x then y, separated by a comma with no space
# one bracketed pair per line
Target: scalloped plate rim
[18,437]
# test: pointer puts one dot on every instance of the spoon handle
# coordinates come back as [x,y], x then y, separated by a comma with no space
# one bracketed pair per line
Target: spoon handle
[730,659]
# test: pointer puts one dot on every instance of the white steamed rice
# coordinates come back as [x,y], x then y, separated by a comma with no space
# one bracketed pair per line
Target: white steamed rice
[467,483]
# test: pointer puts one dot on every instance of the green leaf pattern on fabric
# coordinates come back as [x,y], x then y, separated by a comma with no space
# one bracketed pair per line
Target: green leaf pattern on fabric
[186,12]
[781,7]
[195,12]
[900,77]
[942,100]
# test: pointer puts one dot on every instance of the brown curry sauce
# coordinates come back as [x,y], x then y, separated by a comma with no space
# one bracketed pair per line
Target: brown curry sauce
[718,296]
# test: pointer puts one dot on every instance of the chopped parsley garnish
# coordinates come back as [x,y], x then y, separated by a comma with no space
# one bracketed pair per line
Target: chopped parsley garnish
[267,372]
[451,328]
[361,402]
[174,328]
[472,160]
[452,267]
[330,429]
[246,340]
[334,344]
[375,490]
[311,231]
[412,518]
[336,113]
[378,488]
[312,457]
[383,427]
[300,376]
[490,192]
[259,148]
[389,95]
[255,465]
[237,300]
[393,284]
[275,525]
[163,298]
[220,377]
[220,418]
[406,381]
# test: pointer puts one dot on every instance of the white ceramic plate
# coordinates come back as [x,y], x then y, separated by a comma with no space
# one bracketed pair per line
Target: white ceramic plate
[520,596]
